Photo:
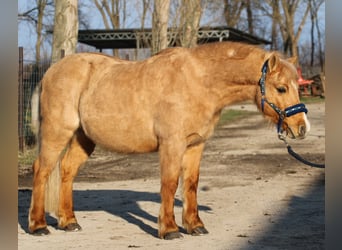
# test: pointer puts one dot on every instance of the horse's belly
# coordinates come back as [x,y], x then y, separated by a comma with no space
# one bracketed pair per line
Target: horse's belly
[121,135]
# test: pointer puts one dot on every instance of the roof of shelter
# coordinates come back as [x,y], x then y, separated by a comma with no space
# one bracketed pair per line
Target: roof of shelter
[138,38]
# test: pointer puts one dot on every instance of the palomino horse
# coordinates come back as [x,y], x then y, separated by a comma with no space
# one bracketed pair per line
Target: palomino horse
[169,102]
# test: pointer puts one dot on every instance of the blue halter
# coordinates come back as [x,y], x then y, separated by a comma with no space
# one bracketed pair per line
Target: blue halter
[289,111]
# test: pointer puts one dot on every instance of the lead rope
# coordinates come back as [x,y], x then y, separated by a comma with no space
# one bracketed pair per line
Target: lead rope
[297,156]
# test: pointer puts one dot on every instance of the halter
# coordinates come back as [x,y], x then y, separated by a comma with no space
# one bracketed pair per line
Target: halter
[287,112]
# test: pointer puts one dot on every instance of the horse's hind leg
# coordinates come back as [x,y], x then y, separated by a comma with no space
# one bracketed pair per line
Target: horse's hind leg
[78,152]
[190,171]
[52,144]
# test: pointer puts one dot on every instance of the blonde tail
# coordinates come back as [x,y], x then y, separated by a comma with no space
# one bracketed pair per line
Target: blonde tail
[53,184]
[52,190]
[35,110]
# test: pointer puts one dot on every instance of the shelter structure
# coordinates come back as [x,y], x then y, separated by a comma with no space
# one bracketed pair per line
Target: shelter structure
[138,38]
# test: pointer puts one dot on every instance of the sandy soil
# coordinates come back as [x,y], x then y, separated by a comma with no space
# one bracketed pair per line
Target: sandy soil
[252,195]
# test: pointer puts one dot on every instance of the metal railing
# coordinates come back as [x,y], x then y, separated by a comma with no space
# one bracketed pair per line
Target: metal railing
[29,75]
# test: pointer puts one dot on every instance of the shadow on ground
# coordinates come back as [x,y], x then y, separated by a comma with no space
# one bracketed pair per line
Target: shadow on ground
[301,227]
[122,203]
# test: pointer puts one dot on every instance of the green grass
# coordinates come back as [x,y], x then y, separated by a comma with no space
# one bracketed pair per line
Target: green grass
[230,115]
[27,157]
[310,99]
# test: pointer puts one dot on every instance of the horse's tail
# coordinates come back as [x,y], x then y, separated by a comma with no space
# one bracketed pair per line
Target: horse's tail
[53,184]
[52,189]
[35,119]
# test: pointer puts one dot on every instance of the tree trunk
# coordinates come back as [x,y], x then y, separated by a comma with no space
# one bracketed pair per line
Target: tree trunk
[232,11]
[110,12]
[142,40]
[190,19]
[289,33]
[321,54]
[314,7]
[250,17]
[275,14]
[160,19]
[65,30]
[41,4]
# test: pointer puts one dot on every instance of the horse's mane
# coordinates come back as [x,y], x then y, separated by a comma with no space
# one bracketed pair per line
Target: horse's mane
[234,50]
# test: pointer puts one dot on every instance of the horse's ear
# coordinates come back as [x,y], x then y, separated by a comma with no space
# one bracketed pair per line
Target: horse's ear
[273,62]
[293,60]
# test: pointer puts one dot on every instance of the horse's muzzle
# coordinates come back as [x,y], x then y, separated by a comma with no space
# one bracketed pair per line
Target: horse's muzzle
[299,133]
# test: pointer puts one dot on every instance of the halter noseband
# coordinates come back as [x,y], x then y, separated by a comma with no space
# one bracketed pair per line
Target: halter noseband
[289,111]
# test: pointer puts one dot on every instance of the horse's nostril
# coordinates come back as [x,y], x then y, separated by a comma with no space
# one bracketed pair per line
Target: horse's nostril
[302,130]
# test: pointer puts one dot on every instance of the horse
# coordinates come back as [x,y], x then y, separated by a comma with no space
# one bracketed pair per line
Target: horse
[169,102]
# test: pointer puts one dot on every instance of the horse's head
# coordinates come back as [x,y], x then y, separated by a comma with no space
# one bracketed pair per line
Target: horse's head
[278,97]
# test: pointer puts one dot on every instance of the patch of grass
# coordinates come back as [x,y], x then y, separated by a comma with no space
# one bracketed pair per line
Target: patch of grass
[27,157]
[230,115]
[311,99]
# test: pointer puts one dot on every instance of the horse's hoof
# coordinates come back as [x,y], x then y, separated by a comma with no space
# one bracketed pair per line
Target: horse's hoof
[173,235]
[72,227]
[199,231]
[41,231]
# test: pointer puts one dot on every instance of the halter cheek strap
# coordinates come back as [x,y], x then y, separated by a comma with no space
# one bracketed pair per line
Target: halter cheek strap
[262,84]
[289,111]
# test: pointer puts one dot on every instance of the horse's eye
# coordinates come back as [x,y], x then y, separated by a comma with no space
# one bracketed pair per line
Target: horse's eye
[281,89]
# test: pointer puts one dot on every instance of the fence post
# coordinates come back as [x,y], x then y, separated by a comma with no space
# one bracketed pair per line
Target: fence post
[21,101]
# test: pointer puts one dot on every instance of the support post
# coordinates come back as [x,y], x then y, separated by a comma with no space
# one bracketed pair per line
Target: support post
[21,101]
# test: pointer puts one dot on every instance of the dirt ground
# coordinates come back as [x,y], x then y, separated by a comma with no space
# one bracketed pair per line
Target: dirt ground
[252,195]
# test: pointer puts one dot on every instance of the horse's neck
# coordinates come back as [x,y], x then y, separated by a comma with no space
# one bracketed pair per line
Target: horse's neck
[235,94]
[235,84]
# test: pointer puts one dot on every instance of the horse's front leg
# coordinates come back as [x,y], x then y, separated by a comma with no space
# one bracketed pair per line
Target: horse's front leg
[170,163]
[190,170]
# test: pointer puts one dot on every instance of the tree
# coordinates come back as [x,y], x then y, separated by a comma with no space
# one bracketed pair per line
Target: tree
[110,12]
[290,33]
[250,21]
[314,7]
[232,11]
[275,23]
[41,4]
[160,17]
[65,32]
[191,12]
[35,16]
